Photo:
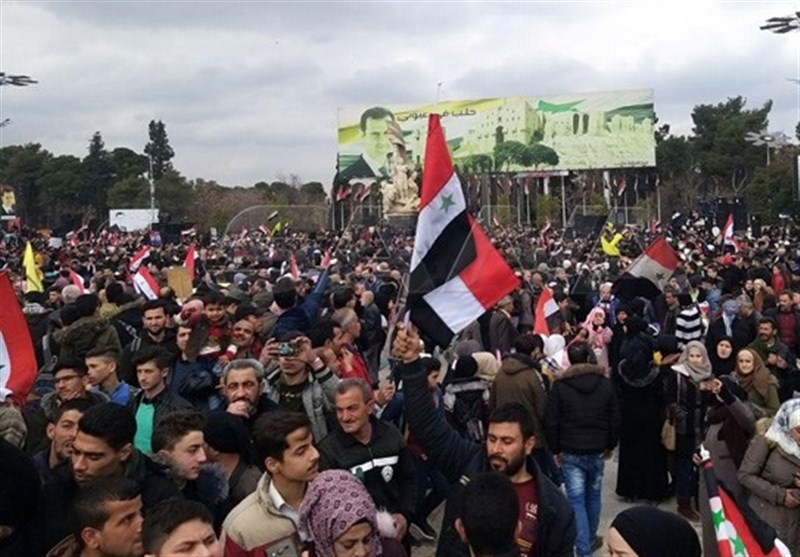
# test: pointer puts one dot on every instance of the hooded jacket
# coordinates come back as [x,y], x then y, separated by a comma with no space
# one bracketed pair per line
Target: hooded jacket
[583,415]
[519,381]
[75,340]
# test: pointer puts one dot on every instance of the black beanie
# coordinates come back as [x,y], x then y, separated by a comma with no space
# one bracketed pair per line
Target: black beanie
[227,433]
[466,367]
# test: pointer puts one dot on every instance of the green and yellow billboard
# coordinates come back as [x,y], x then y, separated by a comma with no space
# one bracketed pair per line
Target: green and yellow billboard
[553,133]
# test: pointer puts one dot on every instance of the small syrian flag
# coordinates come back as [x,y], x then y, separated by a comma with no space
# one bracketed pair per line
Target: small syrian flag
[243,233]
[191,259]
[607,187]
[295,272]
[656,264]
[138,258]
[145,284]
[496,221]
[265,230]
[18,367]
[272,216]
[77,280]
[543,233]
[546,307]
[189,231]
[456,274]
[739,530]
[326,259]
[727,234]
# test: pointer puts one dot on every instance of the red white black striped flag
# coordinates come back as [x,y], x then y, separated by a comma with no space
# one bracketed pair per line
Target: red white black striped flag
[456,273]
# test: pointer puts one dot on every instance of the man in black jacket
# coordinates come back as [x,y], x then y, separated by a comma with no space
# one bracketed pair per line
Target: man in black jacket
[103,448]
[582,428]
[546,525]
[373,450]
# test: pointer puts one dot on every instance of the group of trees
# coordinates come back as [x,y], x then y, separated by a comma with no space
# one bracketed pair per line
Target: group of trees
[63,191]
[716,160]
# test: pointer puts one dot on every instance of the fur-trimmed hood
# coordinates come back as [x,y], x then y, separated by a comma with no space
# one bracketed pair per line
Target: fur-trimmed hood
[582,377]
[82,329]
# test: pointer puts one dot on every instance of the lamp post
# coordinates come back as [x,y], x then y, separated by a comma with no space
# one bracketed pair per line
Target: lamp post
[769,139]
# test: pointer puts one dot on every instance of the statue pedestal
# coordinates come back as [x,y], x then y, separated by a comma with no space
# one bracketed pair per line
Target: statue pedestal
[405,219]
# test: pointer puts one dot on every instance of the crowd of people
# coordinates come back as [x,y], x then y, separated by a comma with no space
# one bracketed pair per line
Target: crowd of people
[284,408]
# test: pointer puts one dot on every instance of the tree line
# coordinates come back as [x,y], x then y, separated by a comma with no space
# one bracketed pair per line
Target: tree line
[64,191]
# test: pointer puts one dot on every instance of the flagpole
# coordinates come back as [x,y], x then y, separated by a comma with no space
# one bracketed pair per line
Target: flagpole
[563,205]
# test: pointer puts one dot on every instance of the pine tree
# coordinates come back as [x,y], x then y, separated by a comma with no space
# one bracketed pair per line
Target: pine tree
[159,149]
[98,174]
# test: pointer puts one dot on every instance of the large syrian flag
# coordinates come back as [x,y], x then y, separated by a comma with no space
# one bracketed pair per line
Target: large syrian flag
[546,307]
[145,284]
[727,234]
[18,366]
[456,273]
[739,531]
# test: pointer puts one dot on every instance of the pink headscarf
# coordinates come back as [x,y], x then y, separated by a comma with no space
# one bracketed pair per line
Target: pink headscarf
[334,502]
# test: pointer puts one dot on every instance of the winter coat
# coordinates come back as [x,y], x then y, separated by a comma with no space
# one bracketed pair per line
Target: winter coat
[502,333]
[164,403]
[126,370]
[318,396]
[255,525]
[766,472]
[583,415]
[85,334]
[519,381]
[59,492]
[724,469]
[195,382]
[384,465]
[457,457]
[302,317]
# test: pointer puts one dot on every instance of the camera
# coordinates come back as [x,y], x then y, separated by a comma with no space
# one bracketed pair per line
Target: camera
[286,349]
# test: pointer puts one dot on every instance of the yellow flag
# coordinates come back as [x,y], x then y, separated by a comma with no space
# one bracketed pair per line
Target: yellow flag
[33,275]
[278,227]
[610,246]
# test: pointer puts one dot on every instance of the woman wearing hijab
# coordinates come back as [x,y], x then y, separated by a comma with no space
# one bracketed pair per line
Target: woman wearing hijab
[341,519]
[651,532]
[723,360]
[759,384]
[642,472]
[770,471]
[689,402]
[731,425]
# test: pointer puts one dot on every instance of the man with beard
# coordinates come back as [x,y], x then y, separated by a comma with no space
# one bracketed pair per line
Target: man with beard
[242,382]
[61,432]
[546,525]
[767,341]
[154,333]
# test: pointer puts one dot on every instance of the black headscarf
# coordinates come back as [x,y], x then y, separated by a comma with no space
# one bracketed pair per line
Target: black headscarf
[722,366]
[652,532]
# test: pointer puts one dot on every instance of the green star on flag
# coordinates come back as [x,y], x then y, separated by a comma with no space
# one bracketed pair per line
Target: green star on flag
[447,202]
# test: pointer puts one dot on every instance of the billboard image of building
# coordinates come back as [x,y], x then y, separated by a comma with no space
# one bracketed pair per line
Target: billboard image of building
[554,133]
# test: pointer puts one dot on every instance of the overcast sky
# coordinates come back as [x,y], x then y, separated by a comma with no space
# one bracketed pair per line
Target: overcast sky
[249,90]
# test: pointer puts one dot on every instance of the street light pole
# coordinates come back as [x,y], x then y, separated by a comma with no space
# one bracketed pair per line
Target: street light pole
[152,195]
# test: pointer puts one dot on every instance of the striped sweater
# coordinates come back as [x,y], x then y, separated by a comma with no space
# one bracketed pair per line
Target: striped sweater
[689,325]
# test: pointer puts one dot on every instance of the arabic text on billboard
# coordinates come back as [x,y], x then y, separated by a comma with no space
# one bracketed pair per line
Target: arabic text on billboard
[561,132]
